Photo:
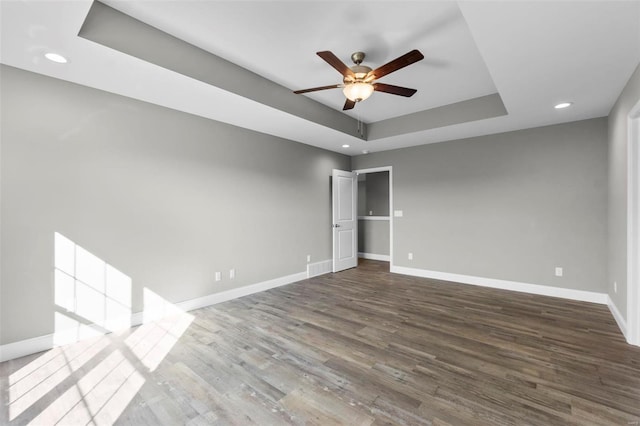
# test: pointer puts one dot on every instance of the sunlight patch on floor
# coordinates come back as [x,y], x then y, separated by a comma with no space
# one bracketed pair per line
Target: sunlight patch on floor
[92,299]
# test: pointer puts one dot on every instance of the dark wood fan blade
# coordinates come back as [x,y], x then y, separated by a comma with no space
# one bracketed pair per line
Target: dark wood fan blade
[394,90]
[315,89]
[349,104]
[333,60]
[398,63]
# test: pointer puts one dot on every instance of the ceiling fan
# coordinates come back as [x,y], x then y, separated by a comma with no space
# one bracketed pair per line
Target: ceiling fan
[359,81]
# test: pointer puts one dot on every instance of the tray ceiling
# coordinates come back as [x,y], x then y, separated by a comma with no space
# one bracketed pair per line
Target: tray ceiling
[526,55]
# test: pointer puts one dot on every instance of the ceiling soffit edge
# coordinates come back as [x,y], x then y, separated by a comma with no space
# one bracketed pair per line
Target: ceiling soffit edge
[114,29]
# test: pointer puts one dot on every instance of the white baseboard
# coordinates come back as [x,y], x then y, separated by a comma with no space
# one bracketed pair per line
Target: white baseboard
[319,268]
[543,290]
[373,256]
[565,293]
[42,343]
[26,347]
[622,324]
[223,296]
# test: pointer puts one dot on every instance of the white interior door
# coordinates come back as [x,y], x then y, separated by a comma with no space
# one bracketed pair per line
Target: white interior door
[345,220]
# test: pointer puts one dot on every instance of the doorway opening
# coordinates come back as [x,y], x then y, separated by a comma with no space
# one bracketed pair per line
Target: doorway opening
[375,207]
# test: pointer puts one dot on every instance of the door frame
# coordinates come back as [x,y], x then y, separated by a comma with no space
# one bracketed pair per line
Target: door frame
[633,226]
[390,170]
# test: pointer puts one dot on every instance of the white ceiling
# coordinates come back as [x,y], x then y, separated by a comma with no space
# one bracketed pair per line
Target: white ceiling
[534,54]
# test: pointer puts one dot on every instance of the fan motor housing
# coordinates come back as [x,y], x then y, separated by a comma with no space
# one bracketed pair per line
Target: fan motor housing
[360,71]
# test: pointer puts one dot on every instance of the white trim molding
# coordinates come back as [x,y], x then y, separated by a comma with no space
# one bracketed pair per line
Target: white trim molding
[374,218]
[543,290]
[373,170]
[26,347]
[622,324]
[390,170]
[234,293]
[373,256]
[49,341]
[633,226]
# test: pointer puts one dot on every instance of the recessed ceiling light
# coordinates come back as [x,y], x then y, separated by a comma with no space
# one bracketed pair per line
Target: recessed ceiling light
[54,57]
[365,151]
[346,146]
[563,105]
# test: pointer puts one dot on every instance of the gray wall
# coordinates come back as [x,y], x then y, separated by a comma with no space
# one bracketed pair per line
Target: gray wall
[377,193]
[509,206]
[618,191]
[362,196]
[165,197]
[373,236]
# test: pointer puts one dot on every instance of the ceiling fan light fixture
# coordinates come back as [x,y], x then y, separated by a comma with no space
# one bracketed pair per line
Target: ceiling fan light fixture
[358,91]
[360,81]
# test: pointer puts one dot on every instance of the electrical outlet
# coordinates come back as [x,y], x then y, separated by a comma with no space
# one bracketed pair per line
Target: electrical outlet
[615,286]
[218,276]
[559,271]
[410,256]
[232,273]
[308,258]
[370,212]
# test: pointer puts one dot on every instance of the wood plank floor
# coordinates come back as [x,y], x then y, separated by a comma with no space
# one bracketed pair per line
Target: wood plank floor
[360,347]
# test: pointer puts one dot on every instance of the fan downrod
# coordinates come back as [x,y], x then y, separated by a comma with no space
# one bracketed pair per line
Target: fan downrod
[357,57]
